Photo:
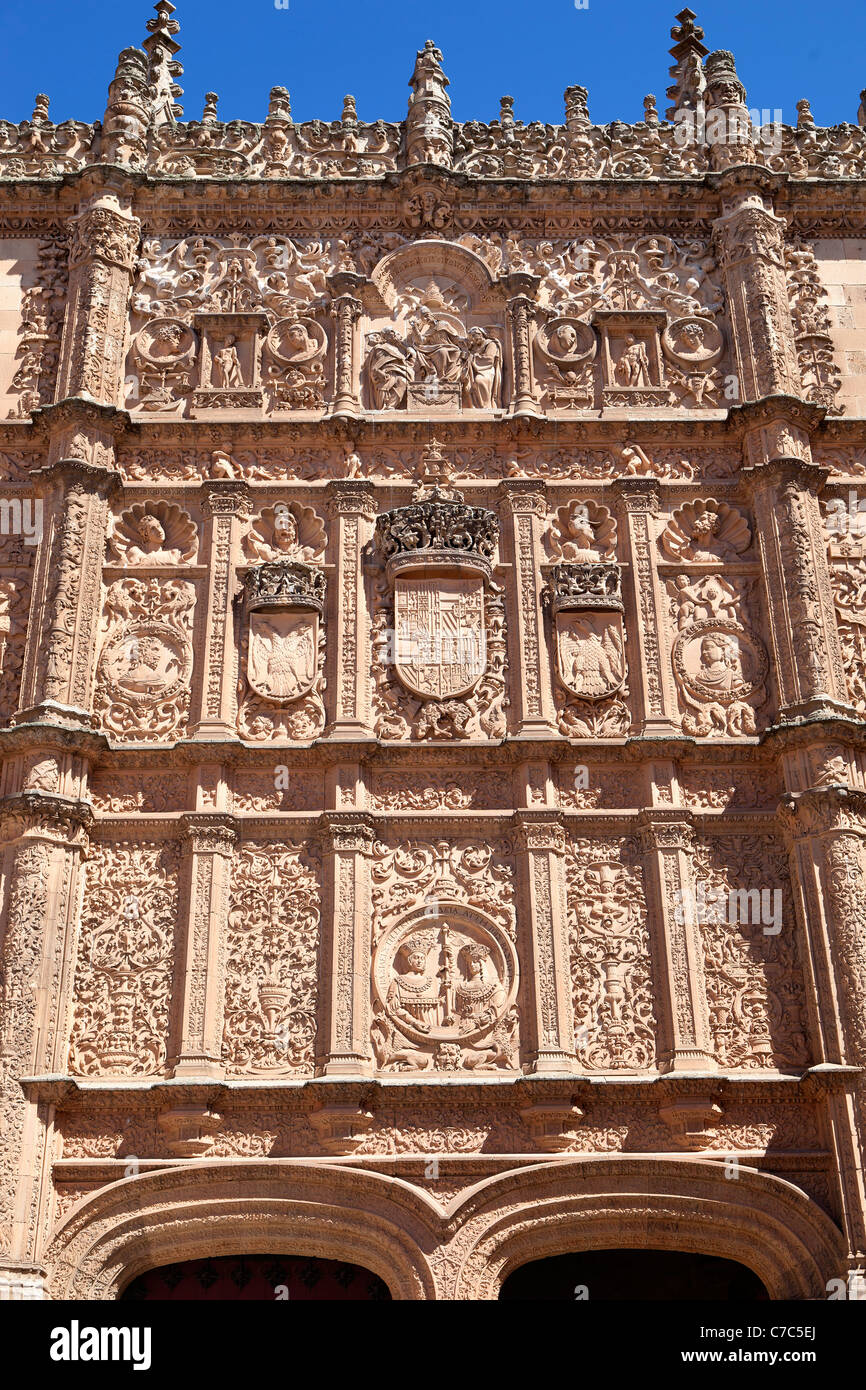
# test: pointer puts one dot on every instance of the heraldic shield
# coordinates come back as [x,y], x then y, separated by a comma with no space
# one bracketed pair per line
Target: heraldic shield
[590,653]
[282,653]
[441,641]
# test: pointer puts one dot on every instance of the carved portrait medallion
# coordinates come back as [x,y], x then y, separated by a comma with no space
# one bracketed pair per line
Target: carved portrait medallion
[444,991]
[719,662]
[146,663]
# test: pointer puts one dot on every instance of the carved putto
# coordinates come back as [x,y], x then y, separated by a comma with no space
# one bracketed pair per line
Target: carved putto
[705,532]
[153,533]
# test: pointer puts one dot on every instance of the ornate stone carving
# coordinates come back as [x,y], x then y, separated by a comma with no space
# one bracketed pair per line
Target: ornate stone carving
[705,532]
[271,979]
[123,980]
[144,668]
[152,533]
[613,993]
[284,647]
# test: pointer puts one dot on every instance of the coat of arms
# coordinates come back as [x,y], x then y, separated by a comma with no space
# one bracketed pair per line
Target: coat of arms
[282,654]
[441,643]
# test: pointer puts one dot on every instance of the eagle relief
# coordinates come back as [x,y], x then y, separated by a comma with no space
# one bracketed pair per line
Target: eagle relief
[280,691]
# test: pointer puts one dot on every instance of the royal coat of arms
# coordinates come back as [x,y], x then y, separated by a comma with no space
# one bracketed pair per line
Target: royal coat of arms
[441,643]
[282,654]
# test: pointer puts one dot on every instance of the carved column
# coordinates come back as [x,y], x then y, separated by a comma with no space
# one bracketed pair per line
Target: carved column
[102,261]
[531,688]
[59,667]
[208,845]
[826,834]
[227,507]
[353,506]
[544,956]
[641,499]
[801,612]
[346,310]
[679,957]
[347,945]
[45,839]
[521,313]
[749,241]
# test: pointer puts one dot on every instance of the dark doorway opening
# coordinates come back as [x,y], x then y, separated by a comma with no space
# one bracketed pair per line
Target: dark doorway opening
[627,1275]
[261,1277]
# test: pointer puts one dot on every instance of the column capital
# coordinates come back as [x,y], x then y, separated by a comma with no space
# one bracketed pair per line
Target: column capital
[539,830]
[351,497]
[347,830]
[209,832]
[523,495]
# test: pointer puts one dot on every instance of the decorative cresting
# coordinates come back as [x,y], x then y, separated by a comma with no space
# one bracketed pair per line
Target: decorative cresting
[439,555]
[285,600]
[585,599]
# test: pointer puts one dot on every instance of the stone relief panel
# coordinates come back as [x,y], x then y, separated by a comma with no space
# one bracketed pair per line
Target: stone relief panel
[846,540]
[720,663]
[442,790]
[152,533]
[272,790]
[444,970]
[625,321]
[436,340]
[230,323]
[122,990]
[438,627]
[612,985]
[271,996]
[145,663]
[754,981]
[584,599]
[819,374]
[37,348]
[116,793]
[14,611]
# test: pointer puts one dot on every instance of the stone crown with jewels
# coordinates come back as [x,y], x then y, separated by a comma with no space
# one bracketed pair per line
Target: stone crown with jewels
[285,584]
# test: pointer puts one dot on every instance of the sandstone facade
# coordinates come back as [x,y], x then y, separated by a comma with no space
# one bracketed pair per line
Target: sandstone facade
[433,686]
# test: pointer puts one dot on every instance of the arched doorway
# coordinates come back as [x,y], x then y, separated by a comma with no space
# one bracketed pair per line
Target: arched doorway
[264,1278]
[668,1276]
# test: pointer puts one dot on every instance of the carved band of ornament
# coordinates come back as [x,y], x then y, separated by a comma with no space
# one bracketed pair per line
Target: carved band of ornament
[597,586]
[210,834]
[439,533]
[285,584]
[352,499]
[791,475]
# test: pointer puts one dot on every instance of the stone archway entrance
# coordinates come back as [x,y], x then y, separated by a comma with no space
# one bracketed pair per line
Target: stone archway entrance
[263,1278]
[667,1276]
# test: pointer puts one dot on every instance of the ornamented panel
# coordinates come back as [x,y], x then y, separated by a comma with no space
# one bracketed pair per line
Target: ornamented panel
[612,986]
[819,374]
[848,575]
[720,662]
[116,793]
[38,350]
[144,668]
[438,791]
[122,990]
[444,970]
[14,609]
[754,981]
[227,323]
[271,973]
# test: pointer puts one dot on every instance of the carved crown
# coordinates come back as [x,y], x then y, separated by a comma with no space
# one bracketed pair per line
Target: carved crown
[285,584]
[595,586]
[438,532]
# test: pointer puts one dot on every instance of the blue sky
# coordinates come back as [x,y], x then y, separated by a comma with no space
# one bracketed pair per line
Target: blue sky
[321,49]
